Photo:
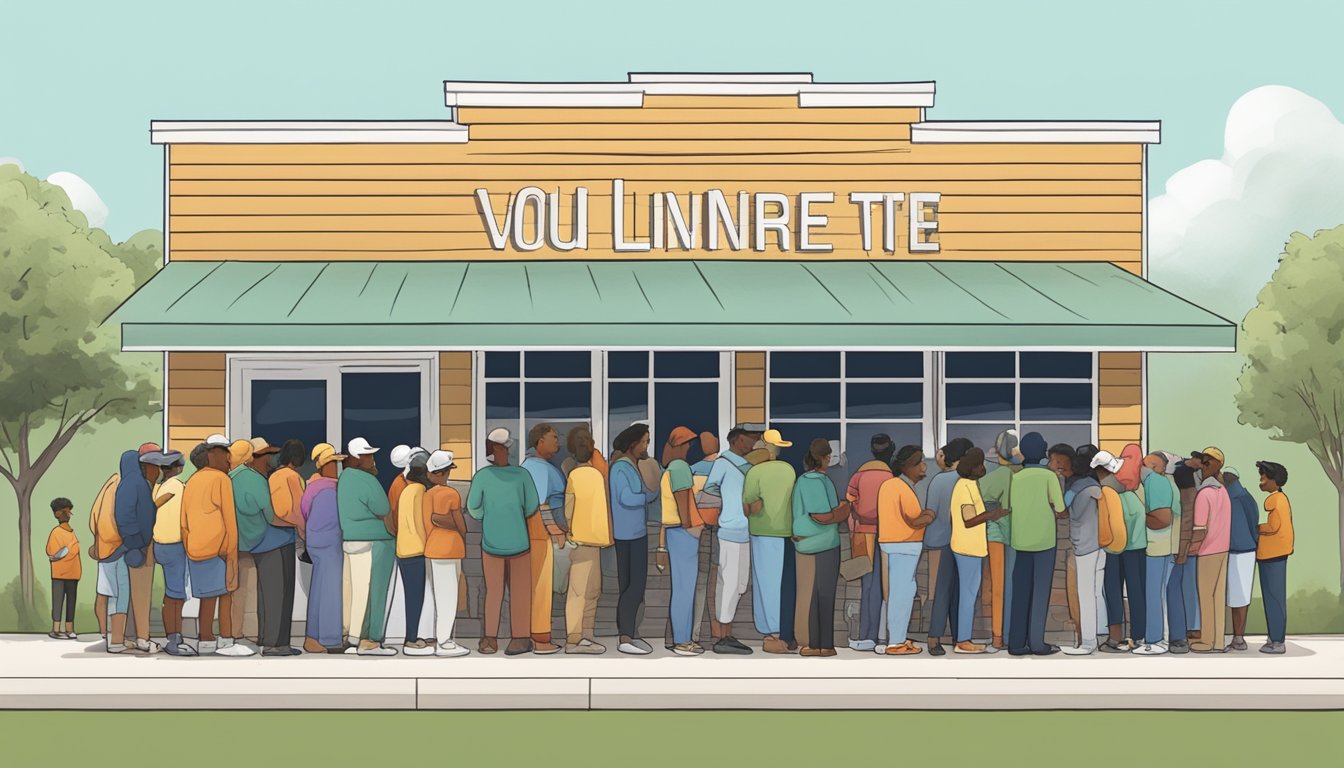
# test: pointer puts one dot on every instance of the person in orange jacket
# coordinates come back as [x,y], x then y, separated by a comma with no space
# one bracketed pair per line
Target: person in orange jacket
[63,553]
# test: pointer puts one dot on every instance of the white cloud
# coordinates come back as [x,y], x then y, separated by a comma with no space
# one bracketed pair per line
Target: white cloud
[1216,235]
[82,196]
[11,161]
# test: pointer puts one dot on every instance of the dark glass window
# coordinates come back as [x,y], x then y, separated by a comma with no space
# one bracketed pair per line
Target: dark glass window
[884,401]
[1056,365]
[502,365]
[1056,402]
[884,365]
[686,365]
[559,365]
[693,405]
[288,409]
[789,400]
[501,401]
[980,402]
[805,365]
[980,365]
[383,408]
[627,365]
[559,400]
[801,434]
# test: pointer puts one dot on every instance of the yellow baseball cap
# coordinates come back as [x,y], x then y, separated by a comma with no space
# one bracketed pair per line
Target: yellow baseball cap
[772,437]
[1212,453]
[325,453]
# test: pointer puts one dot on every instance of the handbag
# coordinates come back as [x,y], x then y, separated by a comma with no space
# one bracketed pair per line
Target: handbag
[856,568]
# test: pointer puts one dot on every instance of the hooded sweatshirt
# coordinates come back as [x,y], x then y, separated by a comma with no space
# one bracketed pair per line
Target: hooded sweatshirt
[134,508]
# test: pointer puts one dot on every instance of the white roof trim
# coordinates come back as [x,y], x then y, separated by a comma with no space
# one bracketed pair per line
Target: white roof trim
[631,94]
[307,132]
[1039,132]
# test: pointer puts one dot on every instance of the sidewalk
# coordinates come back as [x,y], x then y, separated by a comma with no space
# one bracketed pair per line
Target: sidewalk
[39,673]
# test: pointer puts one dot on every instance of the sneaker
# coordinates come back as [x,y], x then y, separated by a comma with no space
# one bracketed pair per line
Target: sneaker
[643,646]
[731,646]
[1110,646]
[1081,650]
[117,648]
[450,649]
[989,648]
[1276,649]
[1205,648]
[1149,650]
[687,649]
[488,645]
[1238,644]
[233,649]
[808,651]
[71,636]
[544,648]
[880,649]
[968,647]
[586,647]
[1178,647]
[772,644]
[148,647]
[937,650]
[518,646]
[370,648]
[417,648]
[908,648]
[1049,650]
[56,635]
[633,649]
[280,650]
[862,645]
[826,652]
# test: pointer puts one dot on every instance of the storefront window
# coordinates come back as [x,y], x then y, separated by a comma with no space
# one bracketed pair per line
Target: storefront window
[1047,392]
[557,391]
[683,391]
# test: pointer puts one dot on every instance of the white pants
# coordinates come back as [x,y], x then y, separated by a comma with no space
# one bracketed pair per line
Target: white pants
[443,591]
[1240,578]
[358,572]
[1091,599]
[734,571]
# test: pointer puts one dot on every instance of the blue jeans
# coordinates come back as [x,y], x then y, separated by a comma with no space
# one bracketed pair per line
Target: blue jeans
[968,580]
[324,595]
[1274,594]
[1032,574]
[870,601]
[767,577]
[683,554]
[1155,590]
[1124,579]
[945,602]
[902,561]
[1009,562]
[788,594]
[412,571]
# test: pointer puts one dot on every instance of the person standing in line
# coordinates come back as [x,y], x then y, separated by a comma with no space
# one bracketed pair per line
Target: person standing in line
[970,544]
[321,529]
[1082,495]
[816,535]
[66,568]
[106,551]
[1272,552]
[1037,501]
[630,499]
[862,495]
[369,549]
[588,520]
[1182,594]
[943,585]
[411,537]
[1243,541]
[682,526]
[503,497]
[1213,516]
[210,537]
[445,548]
[245,621]
[134,510]
[726,479]
[1159,498]
[901,521]
[767,495]
[994,489]
[401,457]
[272,549]
[709,449]
[168,550]
[544,534]
[1125,564]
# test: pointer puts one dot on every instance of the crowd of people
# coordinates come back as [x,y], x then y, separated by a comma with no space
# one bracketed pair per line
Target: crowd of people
[1161,545]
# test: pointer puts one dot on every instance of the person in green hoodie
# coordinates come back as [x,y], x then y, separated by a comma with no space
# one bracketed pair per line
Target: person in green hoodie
[370,551]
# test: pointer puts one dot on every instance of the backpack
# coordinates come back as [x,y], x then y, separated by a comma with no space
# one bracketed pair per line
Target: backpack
[1111,535]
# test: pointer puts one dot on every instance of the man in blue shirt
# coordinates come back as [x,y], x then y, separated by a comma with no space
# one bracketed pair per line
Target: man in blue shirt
[630,499]
[543,443]
[725,481]
[1245,537]
[943,584]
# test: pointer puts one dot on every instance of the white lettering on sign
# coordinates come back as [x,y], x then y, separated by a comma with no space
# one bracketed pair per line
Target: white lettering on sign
[533,219]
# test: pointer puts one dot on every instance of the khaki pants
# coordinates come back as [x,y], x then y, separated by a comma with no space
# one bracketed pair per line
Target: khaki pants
[357,574]
[244,618]
[585,587]
[541,554]
[142,592]
[1212,589]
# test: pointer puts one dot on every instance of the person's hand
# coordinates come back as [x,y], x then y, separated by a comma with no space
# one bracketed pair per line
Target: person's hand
[660,560]
[558,541]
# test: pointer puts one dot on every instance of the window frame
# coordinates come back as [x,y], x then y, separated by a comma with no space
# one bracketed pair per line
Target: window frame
[1094,380]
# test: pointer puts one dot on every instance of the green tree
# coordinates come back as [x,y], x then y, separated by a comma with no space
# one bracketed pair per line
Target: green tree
[1293,382]
[61,369]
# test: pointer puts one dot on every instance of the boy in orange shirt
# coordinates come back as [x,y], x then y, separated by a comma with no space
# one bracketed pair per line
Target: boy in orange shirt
[63,552]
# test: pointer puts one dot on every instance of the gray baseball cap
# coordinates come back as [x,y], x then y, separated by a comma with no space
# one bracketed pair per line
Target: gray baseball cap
[1005,444]
[752,427]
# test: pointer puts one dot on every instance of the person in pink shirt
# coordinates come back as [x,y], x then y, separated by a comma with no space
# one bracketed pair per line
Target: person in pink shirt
[1213,532]
[862,494]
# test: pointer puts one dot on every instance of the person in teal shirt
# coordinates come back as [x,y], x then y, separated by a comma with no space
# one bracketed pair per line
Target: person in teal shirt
[502,497]
[271,546]
[767,495]
[816,536]
[370,550]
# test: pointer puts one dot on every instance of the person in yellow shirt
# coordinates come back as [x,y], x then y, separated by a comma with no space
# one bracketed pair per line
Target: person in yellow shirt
[169,552]
[66,568]
[411,536]
[1271,554]
[588,520]
[901,521]
[970,544]
[445,547]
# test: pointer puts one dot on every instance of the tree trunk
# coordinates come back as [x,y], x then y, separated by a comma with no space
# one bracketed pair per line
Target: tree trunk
[27,579]
[1339,489]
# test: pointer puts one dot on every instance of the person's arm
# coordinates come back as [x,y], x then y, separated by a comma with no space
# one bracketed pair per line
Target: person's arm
[569,503]
[376,500]
[531,504]
[1055,495]
[1187,530]
[1203,507]
[971,519]
[629,489]
[1159,518]
[224,493]
[752,502]
[55,552]
[839,509]
[1273,522]
[476,501]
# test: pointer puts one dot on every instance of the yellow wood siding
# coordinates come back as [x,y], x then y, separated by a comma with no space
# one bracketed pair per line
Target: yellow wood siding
[196,398]
[749,386]
[455,411]
[1119,400]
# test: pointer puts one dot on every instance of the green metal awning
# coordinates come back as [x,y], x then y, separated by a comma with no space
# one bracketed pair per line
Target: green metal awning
[244,306]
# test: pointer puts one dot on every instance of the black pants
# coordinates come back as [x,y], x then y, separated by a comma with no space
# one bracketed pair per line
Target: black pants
[821,611]
[788,594]
[632,574]
[63,591]
[413,580]
[943,615]
[1032,574]
[1125,575]
[275,596]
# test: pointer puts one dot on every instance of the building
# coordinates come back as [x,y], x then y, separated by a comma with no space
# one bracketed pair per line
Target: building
[687,249]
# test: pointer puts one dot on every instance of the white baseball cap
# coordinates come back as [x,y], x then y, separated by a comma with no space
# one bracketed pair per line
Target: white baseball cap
[500,435]
[218,441]
[440,460]
[359,447]
[1107,461]
[835,453]
[400,456]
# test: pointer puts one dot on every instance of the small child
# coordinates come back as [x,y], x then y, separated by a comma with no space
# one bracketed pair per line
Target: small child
[63,552]
[1271,554]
